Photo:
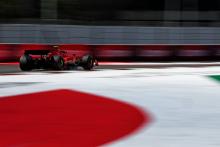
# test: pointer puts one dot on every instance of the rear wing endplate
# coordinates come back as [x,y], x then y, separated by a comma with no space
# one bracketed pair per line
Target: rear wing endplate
[37,52]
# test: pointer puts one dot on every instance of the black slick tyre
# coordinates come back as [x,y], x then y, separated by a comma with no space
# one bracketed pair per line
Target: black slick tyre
[58,63]
[25,63]
[87,62]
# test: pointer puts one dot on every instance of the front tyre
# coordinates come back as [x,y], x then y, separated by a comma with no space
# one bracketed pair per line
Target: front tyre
[87,62]
[25,63]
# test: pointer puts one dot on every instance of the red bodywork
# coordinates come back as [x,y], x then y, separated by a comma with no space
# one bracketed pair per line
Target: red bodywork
[55,59]
[68,58]
[48,54]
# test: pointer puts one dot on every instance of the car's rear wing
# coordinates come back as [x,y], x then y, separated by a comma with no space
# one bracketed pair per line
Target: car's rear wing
[37,52]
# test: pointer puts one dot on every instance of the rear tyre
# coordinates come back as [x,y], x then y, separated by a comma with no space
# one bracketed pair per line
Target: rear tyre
[58,63]
[87,62]
[26,63]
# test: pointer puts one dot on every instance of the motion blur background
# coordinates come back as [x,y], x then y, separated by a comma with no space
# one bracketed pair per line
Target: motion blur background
[131,30]
[117,12]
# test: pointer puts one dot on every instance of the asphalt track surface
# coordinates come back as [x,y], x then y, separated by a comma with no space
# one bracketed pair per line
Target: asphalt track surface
[8,68]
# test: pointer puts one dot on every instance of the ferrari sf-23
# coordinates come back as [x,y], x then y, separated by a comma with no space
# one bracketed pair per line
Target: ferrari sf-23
[55,59]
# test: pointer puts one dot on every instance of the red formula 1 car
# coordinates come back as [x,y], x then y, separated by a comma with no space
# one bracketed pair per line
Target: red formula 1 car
[55,59]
